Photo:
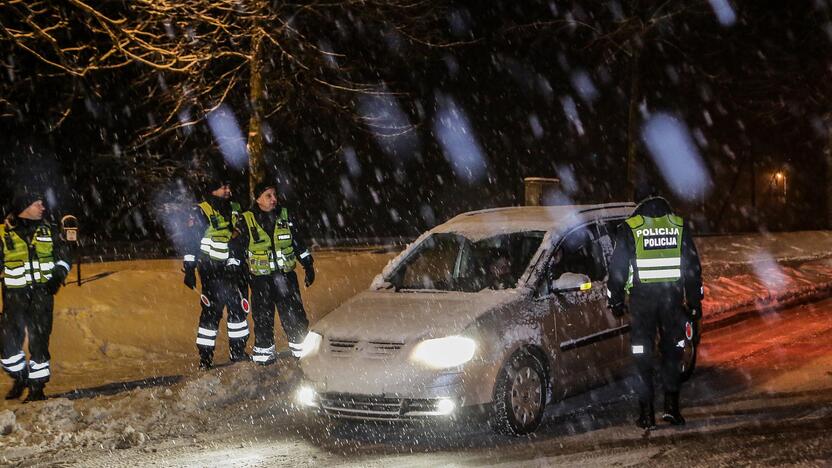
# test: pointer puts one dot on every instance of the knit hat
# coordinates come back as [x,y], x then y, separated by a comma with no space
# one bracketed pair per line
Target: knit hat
[22,199]
[213,182]
[261,187]
[645,191]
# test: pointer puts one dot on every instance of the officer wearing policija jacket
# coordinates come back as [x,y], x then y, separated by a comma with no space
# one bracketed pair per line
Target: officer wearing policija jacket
[219,272]
[655,261]
[34,263]
[271,245]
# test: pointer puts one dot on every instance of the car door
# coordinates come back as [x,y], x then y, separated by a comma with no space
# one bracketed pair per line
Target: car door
[618,329]
[582,321]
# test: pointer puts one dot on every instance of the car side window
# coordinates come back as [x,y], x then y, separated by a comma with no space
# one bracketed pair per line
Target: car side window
[582,252]
[603,246]
[573,255]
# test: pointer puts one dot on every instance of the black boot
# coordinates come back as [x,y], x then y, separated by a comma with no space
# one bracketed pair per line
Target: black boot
[238,354]
[671,409]
[206,359]
[268,362]
[646,418]
[35,392]
[17,389]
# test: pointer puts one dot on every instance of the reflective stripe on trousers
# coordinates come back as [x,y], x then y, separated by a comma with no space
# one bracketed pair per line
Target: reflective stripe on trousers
[14,363]
[39,370]
[262,354]
[206,337]
[238,329]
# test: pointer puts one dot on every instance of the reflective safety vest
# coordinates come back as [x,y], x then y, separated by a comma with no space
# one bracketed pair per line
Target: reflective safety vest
[215,241]
[658,243]
[25,264]
[268,253]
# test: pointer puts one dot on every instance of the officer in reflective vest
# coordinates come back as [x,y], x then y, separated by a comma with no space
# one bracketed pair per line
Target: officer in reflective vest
[34,263]
[656,264]
[220,273]
[272,248]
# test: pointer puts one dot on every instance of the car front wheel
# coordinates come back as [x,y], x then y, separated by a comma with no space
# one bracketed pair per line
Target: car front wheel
[519,396]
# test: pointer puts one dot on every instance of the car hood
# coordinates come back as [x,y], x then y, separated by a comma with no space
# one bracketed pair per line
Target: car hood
[407,316]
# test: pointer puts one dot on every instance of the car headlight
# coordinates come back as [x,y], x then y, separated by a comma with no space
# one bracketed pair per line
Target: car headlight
[306,396]
[310,344]
[450,351]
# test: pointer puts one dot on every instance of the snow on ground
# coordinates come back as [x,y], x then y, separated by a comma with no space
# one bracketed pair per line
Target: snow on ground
[749,272]
[123,350]
[731,255]
[131,320]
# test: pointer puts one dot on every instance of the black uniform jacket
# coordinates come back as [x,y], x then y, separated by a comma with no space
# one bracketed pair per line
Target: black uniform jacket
[624,255]
[198,223]
[267,220]
[25,228]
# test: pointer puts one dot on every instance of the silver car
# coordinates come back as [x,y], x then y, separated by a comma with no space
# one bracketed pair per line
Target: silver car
[501,309]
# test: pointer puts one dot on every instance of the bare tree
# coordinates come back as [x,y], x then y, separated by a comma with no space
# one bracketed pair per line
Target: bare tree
[268,59]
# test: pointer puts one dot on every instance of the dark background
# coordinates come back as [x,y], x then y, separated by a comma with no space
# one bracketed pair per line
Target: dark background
[757,93]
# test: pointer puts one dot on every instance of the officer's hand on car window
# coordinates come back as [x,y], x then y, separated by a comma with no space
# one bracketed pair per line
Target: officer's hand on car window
[190,275]
[310,276]
[619,310]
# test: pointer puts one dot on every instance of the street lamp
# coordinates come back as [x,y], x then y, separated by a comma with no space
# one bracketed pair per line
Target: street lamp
[780,177]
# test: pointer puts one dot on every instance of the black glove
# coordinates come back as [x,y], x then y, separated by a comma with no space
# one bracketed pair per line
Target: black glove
[56,281]
[619,310]
[310,275]
[190,275]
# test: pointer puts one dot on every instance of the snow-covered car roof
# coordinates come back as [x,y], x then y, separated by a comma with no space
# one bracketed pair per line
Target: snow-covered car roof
[478,225]
[482,224]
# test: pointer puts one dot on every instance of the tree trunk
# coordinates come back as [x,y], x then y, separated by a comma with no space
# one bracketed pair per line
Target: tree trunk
[633,119]
[256,145]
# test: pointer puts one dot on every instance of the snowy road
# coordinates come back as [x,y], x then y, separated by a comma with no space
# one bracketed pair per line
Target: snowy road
[763,394]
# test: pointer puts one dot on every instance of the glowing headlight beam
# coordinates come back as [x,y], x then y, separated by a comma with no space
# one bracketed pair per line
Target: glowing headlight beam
[445,352]
[445,406]
[306,396]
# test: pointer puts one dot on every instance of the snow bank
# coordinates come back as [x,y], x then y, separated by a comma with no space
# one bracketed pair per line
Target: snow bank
[771,285]
[755,272]
[131,419]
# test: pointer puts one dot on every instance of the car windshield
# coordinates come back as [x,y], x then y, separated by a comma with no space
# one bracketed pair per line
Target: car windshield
[451,262]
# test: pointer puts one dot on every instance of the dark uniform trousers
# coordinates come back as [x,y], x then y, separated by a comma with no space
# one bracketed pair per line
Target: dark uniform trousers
[221,291]
[657,307]
[26,311]
[279,290]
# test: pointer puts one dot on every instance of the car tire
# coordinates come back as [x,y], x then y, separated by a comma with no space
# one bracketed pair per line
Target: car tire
[519,396]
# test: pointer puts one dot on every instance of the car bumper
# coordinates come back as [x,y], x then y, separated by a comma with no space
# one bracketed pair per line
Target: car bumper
[377,390]
[380,408]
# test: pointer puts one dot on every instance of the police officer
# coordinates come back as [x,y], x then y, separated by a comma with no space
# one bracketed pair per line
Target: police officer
[655,261]
[34,262]
[272,247]
[212,223]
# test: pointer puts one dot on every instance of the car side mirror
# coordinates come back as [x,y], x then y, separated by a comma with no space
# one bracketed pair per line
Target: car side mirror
[571,282]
